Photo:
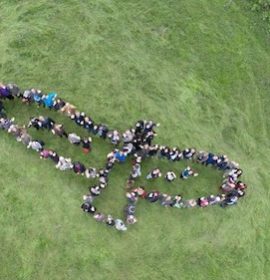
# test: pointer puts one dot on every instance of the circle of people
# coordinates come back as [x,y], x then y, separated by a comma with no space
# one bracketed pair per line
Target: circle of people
[135,142]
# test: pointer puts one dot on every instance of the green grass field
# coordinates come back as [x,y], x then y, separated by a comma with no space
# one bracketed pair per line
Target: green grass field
[201,69]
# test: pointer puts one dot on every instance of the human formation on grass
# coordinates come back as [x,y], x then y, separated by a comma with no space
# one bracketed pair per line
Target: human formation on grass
[136,142]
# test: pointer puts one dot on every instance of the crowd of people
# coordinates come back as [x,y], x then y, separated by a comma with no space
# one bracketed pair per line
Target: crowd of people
[135,142]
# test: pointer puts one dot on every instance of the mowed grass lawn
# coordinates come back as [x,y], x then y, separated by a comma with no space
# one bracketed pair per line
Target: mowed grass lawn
[201,69]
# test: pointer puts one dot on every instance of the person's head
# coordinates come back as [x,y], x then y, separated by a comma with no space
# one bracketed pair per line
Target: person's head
[131,219]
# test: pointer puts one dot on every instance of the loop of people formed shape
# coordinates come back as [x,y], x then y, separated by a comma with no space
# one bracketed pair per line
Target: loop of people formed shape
[135,142]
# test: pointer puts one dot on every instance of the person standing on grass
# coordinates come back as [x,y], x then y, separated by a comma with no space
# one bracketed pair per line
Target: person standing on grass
[177,201]
[58,129]
[64,164]
[187,172]
[130,220]
[212,160]
[190,203]
[74,139]
[99,217]
[119,225]
[203,202]
[189,153]
[136,171]
[88,123]
[229,201]
[155,173]
[95,190]
[86,145]
[128,136]
[88,208]
[114,136]
[54,157]
[68,109]
[46,122]
[165,200]
[36,145]
[35,123]
[5,92]
[45,153]
[13,89]
[78,168]
[110,221]
[170,176]
[120,156]
[152,196]
[48,99]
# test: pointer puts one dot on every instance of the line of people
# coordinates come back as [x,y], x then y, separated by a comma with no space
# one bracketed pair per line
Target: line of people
[58,130]
[53,102]
[136,141]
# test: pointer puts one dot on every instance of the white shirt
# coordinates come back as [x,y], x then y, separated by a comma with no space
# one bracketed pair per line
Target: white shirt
[170,176]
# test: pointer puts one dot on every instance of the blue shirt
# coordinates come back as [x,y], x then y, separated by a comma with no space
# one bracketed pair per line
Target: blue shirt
[121,157]
[49,99]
